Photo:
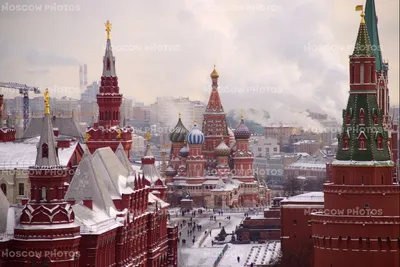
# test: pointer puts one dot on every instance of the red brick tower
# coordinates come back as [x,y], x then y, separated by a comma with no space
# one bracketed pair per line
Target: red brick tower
[214,124]
[361,222]
[47,217]
[382,81]
[107,131]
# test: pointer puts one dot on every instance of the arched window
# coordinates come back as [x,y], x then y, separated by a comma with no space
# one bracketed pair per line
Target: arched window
[362,142]
[362,117]
[45,150]
[108,64]
[345,141]
[4,189]
[379,142]
[44,193]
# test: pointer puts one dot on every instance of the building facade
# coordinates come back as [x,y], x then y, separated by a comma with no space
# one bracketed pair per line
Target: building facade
[365,229]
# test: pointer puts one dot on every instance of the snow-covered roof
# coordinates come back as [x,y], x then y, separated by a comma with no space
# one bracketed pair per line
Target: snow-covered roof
[362,163]
[94,221]
[22,155]
[154,199]
[307,197]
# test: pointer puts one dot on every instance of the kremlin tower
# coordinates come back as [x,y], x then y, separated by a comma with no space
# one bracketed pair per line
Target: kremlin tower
[107,131]
[366,228]
[382,81]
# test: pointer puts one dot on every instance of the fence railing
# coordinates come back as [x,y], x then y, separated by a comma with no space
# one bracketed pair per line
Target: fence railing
[217,261]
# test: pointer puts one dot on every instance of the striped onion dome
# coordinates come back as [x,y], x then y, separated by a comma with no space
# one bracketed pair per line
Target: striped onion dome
[242,132]
[184,152]
[195,137]
[222,149]
[179,133]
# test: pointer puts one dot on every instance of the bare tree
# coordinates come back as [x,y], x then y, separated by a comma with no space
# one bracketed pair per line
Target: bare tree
[292,186]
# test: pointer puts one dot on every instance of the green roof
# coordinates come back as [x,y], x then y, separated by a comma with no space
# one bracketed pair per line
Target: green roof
[371,21]
[363,47]
[367,103]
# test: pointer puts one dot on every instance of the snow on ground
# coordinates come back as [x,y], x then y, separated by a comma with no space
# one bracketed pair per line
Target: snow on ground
[230,257]
[198,257]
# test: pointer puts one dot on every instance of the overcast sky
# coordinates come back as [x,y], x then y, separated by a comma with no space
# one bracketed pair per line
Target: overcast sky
[284,55]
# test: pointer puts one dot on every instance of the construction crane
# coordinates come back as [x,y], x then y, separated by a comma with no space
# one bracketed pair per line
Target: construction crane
[23,90]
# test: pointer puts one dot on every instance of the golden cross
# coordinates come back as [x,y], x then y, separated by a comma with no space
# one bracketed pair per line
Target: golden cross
[108,29]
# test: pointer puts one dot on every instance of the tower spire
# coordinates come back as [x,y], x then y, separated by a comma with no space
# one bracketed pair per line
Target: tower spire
[108,29]
[362,47]
[47,155]
[371,21]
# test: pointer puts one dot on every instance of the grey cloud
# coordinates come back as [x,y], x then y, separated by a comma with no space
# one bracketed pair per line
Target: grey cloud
[37,58]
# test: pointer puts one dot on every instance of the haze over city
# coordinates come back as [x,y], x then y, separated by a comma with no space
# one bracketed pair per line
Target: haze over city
[280,54]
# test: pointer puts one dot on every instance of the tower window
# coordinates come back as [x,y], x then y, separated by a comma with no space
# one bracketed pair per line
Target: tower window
[345,142]
[343,179]
[44,193]
[362,116]
[45,150]
[379,142]
[361,141]
[362,74]
[362,180]
[21,189]
[108,64]
[382,179]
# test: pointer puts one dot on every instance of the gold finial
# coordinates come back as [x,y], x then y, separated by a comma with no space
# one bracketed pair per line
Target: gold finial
[108,29]
[148,136]
[47,102]
[242,114]
[87,137]
[119,133]
[195,121]
[214,74]
[180,117]
[361,8]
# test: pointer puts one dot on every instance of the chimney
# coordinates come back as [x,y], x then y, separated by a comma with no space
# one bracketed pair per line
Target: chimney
[85,75]
[88,203]
[80,77]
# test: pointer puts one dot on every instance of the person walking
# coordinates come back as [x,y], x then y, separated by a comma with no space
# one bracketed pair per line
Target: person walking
[238,259]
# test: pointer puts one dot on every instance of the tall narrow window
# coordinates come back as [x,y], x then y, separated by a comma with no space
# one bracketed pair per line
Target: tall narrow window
[379,142]
[382,179]
[372,74]
[4,189]
[362,74]
[362,117]
[44,193]
[45,150]
[108,64]
[362,180]
[21,189]
[343,179]
[352,74]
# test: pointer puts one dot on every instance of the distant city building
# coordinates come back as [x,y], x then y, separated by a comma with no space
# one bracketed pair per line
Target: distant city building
[264,147]
[307,146]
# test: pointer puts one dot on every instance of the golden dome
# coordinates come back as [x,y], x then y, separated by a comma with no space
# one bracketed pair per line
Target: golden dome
[214,74]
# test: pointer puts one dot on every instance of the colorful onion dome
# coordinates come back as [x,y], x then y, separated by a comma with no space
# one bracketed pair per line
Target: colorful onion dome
[242,132]
[195,137]
[170,171]
[179,133]
[214,74]
[184,152]
[222,149]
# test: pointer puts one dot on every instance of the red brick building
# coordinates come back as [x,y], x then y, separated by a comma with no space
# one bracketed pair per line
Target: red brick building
[296,242]
[365,229]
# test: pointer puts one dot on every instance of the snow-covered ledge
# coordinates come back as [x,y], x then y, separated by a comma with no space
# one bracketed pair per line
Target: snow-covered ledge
[386,163]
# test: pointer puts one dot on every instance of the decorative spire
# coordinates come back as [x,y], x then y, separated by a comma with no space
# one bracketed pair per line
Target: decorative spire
[363,45]
[46,154]
[109,59]
[148,137]
[108,29]
[242,116]
[214,103]
[371,21]
[47,102]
